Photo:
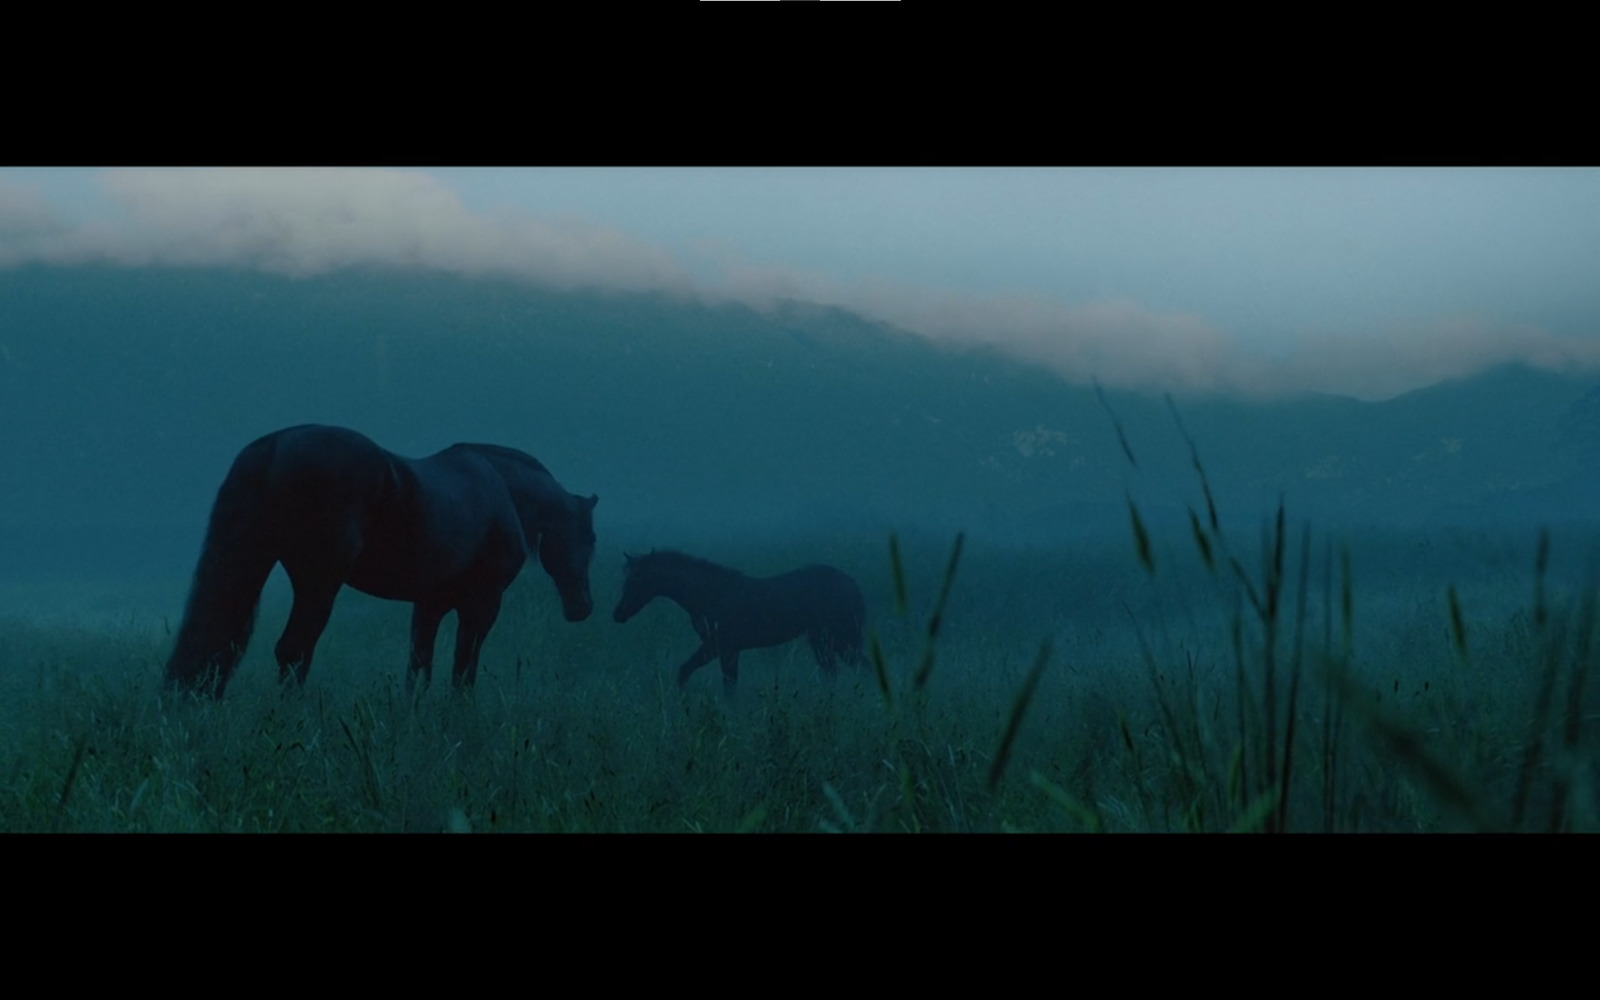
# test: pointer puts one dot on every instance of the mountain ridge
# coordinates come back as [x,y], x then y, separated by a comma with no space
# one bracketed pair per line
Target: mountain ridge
[125,393]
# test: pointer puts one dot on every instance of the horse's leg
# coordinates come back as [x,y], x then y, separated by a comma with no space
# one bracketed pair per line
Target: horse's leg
[425,620]
[320,562]
[730,671]
[474,619]
[313,604]
[702,656]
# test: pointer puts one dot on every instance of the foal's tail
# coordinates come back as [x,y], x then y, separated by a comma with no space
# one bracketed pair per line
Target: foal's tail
[234,563]
[856,652]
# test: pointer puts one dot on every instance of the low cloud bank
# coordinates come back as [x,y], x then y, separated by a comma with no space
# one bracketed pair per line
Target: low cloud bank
[306,222]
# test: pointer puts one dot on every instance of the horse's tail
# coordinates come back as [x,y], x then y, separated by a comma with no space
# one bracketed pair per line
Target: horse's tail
[238,555]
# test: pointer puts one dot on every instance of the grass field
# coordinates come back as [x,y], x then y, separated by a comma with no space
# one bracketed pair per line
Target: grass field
[1096,686]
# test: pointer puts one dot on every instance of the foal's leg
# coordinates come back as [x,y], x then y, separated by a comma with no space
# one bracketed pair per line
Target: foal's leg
[730,671]
[474,619]
[425,620]
[822,647]
[705,654]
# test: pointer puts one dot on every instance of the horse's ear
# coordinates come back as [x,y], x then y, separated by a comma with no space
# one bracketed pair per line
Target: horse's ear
[592,501]
[627,560]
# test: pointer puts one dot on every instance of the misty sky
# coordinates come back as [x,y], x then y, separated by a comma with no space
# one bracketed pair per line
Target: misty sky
[1360,281]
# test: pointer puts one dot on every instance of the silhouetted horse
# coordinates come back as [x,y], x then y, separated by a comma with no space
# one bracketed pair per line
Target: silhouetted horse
[733,612]
[448,533]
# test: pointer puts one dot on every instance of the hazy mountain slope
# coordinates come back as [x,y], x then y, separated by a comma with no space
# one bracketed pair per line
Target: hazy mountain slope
[124,394]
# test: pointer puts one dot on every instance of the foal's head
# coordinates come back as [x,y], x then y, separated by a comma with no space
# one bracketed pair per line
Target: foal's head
[641,584]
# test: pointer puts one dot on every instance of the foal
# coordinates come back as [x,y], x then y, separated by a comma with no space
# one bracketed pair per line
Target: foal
[733,612]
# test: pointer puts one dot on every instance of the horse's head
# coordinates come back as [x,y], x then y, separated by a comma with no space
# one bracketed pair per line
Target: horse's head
[637,588]
[566,548]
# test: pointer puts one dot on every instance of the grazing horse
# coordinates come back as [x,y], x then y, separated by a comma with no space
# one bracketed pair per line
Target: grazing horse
[448,533]
[733,612]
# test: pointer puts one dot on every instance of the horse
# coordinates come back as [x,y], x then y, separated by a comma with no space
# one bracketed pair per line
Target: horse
[447,533]
[732,612]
